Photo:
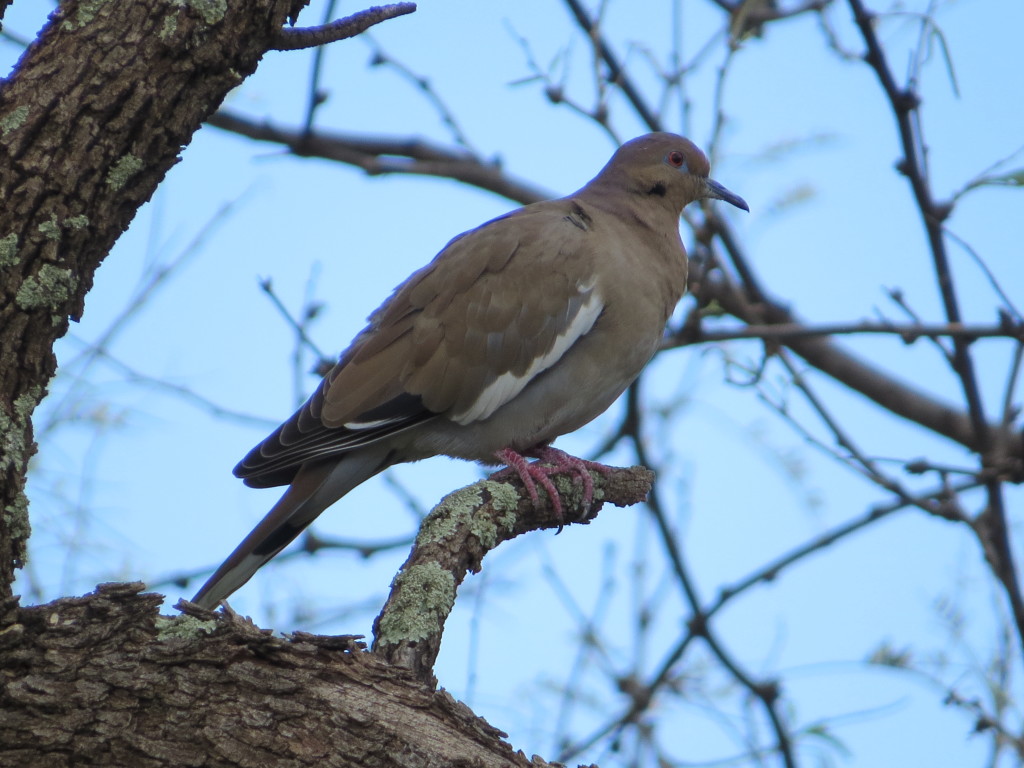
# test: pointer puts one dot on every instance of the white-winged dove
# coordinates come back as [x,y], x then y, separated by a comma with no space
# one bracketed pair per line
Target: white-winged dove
[521,330]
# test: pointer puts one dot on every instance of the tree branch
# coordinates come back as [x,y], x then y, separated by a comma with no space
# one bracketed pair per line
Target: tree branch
[695,333]
[104,679]
[452,542]
[378,156]
[905,103]
[616,74]
[884,389]
[311,37]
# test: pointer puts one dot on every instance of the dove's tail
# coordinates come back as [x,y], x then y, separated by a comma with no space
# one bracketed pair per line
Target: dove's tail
[316,487]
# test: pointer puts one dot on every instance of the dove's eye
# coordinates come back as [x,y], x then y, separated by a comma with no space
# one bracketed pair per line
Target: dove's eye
[676,159]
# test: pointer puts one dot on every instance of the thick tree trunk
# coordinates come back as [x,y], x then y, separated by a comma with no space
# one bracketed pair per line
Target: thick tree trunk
[96,112]
[103,680]
[94,115]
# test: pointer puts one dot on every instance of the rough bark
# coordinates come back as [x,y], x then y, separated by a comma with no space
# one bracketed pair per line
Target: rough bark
[94,115]
[104,680]
[452,542]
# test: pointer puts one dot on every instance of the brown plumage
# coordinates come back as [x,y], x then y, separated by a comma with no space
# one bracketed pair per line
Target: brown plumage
[519,331]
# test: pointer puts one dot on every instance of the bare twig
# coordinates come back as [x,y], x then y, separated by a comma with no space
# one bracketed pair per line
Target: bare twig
[991,526]
[350,26]
[421,83]
[695,333]
[316,95]
[1010,411]
[616,74]
[298,326]
[767,691]
[453,540]
[766,574]
[976,258]
[896,396]
[770,571]
[378,155]
[310,543]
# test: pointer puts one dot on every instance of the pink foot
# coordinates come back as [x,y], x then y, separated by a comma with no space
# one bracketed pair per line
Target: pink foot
[551,461]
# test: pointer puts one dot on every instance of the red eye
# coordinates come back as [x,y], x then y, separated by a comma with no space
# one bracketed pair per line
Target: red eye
[676,159]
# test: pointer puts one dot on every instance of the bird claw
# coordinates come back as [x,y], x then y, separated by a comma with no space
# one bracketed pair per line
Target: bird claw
[550,461]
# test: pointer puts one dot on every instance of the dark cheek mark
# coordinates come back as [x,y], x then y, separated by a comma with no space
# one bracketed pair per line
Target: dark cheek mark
[579,217]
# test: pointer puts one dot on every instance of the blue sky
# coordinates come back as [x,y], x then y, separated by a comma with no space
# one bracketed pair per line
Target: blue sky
[150,493]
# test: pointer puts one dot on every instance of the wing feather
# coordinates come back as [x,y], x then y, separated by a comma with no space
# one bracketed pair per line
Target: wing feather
[460,338]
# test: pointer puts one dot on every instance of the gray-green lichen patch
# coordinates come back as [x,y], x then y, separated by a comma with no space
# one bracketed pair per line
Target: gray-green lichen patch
[571,490]
[504,496]
[51,287]
[211,11]
[455,512]
[14,451]
[504,499]
[123,170]
[16,520]
[9,250]
[175,627]
[76,222]
[13,120]
[168,29]
[490,530]
[50,229]
[86,12]
[12,442]
[425,594]
[13,428]
[450,514]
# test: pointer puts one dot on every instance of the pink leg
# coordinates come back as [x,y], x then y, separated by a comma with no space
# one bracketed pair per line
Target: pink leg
[540,472]
[531,474]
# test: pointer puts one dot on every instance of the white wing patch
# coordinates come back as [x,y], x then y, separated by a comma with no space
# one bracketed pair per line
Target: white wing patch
[357,425]
[508,385]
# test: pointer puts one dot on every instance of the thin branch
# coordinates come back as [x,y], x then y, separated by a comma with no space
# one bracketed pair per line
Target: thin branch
[695,333]
[299,327]
[452,542]
[898,298]
[764,575]
[905,104]
[1010,412]
[839,433]
[350,26]
[316,95]
[991,527]
[896,396]
[378,155]
[769,572]
[179,391]
[421,83]
[616,74]
[766,691]
[309,544]
[976,258]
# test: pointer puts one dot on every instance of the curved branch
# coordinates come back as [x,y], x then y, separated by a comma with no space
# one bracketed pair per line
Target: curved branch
[894,395]
[695,333]
[616,74]
[378,156]
[452,542]
[342,29]
[987,441]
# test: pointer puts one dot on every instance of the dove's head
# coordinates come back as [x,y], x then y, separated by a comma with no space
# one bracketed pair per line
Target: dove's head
[666,166]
